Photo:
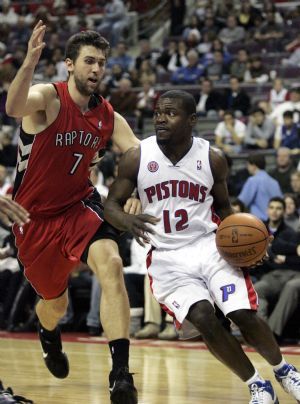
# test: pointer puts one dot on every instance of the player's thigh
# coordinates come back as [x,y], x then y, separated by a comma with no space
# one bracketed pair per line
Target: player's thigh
[232,289]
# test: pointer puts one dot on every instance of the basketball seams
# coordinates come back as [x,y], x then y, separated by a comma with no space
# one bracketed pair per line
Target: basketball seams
[241,245]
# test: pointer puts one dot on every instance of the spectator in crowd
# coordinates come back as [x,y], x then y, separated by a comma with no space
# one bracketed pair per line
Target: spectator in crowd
[270,31]
[282,282]
[247,14]
[291,216]
[256,71]
[191,73]
[284,168]
[146,100]
[239,65]
[287,134]
[47,74]
[217,70]
[7,73]
[5,184]
[260,130]
[295,185]
[277,95]
[177,15]
[292,105]
[232,32]
[8,150]
[115,20]
[171,58]
[121,57]
[8,14]
[230,133]
[58,60]
[146,52]
[191,34]
[294,47]
[209,100]
[146,73]
[114,77]
[236,99]
[123,99]
[238,206]
[259,188]
[217,45]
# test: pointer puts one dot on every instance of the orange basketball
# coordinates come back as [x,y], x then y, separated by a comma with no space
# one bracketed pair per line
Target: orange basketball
[242,239]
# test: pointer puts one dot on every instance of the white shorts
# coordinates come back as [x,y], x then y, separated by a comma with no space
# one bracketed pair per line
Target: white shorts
[179,278]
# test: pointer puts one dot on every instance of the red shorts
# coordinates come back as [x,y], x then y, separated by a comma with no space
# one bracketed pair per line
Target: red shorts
[50,248]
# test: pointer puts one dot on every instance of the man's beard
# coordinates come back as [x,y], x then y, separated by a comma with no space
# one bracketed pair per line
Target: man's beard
[82,88]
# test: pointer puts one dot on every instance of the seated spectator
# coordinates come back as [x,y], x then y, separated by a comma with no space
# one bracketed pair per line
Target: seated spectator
[121,57]
[146,73]
[8,150]
[209,100]
[294,48]
[287,134]
[292,105]
[259,188]
[123,99]
[239,65]
[217,70]
[291,215]
[247,14]
[115,20]
[230,133]
[260,130]
[146,100]
[146,53]
[270,30]
[238,206]
[217,45]
[277,95]
[60,65]
[171,59]
[114,77]
[256,71]
[5,184]
[295,185]
[282,282]
[191,73]
[48,74]
[284,168]
[8,14]
[236,99]
[232,32]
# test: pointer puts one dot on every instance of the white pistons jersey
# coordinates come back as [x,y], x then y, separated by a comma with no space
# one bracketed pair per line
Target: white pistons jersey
[177,194]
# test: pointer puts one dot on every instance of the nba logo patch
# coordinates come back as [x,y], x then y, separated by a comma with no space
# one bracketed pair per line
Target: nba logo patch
[175,304]
[152,166]
[199,164]
[99,124]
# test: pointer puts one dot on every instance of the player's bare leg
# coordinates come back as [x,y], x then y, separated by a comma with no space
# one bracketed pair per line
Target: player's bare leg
[258,334]
[49,312]
[219,341]
[104,260]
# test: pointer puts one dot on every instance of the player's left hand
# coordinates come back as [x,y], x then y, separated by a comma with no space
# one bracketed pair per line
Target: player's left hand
[133,206]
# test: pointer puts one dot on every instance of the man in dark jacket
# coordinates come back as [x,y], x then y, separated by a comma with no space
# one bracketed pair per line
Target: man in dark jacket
[236,98]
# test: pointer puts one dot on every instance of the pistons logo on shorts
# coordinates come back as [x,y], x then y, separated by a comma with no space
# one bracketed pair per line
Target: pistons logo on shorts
[152,166]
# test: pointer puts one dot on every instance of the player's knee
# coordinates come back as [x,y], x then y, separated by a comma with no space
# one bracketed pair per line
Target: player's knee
[111,271]
[244,319]
[202,316]
[59,307]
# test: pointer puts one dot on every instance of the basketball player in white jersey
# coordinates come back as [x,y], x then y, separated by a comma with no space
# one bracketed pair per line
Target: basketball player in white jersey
[181,182]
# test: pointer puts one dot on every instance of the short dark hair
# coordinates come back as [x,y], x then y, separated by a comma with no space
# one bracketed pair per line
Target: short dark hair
[277,199]
[288,114]
[85,38]
[188,101]
[256,109]
[258,160]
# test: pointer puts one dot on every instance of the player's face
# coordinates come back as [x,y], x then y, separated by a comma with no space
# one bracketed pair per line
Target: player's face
[88,69]
[172,124]
[275,211]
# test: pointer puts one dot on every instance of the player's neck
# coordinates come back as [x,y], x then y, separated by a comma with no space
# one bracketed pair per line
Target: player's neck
[82,101]
[176,152]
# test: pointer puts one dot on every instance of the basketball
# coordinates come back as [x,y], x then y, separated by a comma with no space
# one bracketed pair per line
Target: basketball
[242,239]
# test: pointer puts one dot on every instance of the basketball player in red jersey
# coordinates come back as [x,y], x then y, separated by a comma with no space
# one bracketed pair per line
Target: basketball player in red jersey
[65,128]
[179,179]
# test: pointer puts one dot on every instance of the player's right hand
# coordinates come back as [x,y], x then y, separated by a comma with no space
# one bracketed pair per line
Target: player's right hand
[137,225]
[35,45]
[11,212]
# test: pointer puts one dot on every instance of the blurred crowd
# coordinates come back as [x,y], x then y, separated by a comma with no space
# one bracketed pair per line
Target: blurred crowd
[241,61]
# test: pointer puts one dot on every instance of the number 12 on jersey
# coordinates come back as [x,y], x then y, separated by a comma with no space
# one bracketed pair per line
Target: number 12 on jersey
[181,224]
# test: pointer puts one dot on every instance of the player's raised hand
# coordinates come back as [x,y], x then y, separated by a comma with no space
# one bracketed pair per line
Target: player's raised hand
[35,45]
[137,225]
[11,212]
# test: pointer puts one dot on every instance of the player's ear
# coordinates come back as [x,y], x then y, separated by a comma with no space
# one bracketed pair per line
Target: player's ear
[193,119]
[70,65]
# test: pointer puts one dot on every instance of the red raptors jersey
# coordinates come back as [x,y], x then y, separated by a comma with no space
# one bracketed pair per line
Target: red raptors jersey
[53,166]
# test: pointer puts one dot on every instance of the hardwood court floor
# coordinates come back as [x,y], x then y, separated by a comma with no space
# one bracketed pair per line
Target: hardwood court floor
[166,372]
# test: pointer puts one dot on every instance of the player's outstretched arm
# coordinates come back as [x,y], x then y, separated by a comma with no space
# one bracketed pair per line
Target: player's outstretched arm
[120,191]
[123,136]
[219,190]
[11,212]
[19,101]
